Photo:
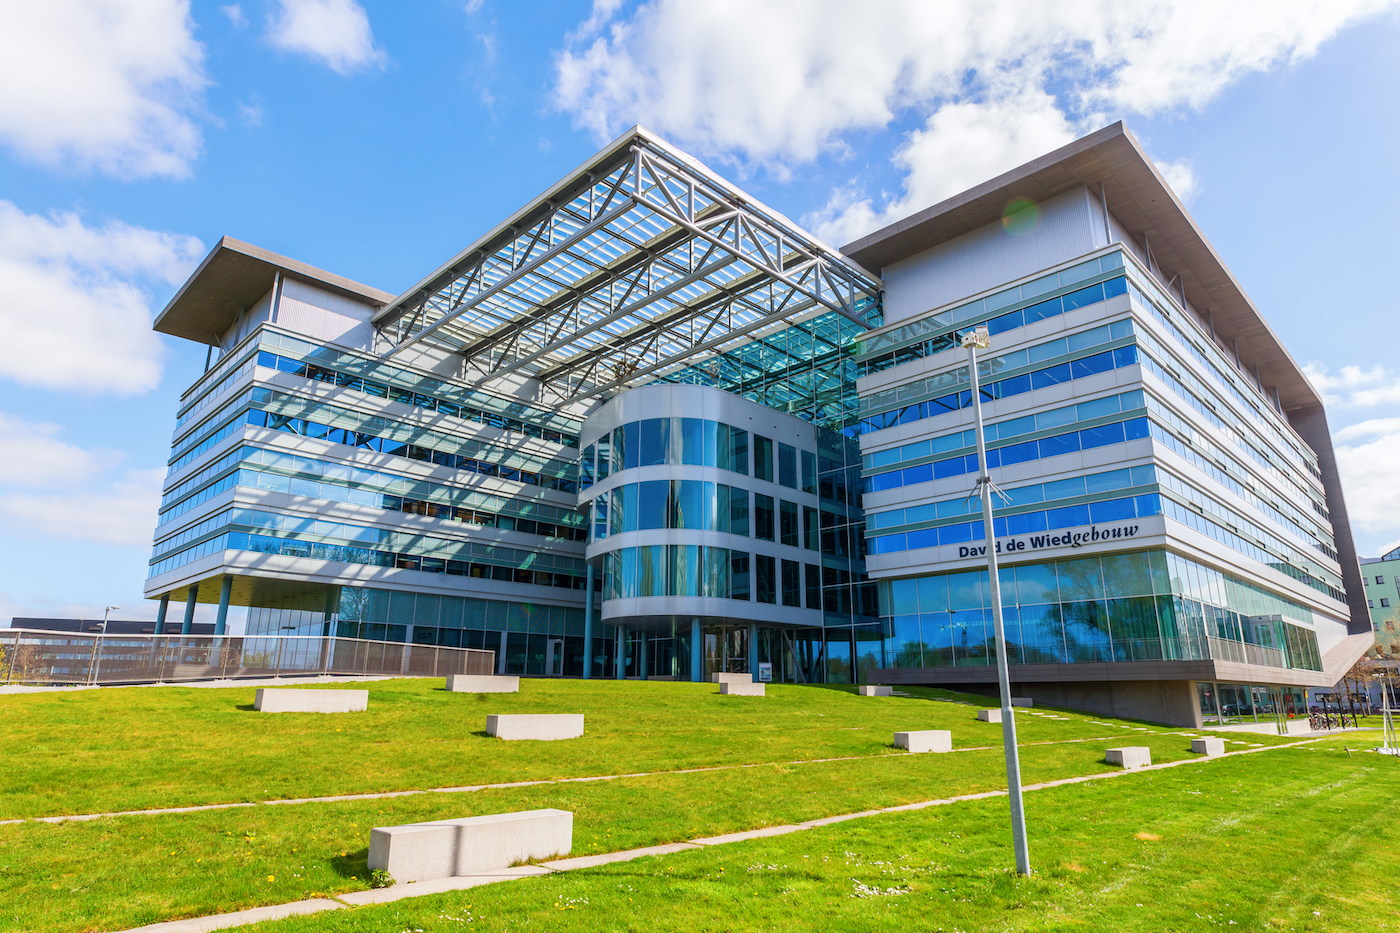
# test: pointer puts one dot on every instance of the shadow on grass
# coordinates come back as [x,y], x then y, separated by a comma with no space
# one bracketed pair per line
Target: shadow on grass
[354,865]
[247,707]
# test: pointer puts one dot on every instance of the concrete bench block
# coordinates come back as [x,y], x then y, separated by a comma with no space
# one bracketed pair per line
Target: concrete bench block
[295,700]
[989,715]
[1022,701]
[929,740]
[1129,757]
[1209,746]
[544,727]
[451,848]
[743,689]
[875,690]
[483,683]
[727,678]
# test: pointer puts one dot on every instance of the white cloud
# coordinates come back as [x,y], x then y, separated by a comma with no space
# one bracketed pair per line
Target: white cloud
[994,83]
[334,32]
[105,85]
[1354,387]
[234,12]
[74,300]
[36,458]
[122,512]
[250,114]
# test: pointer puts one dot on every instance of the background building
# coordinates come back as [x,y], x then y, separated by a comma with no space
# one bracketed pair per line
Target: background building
[649,427]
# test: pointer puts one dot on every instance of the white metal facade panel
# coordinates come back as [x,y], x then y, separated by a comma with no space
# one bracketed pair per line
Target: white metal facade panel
[1070,225]
[323,315]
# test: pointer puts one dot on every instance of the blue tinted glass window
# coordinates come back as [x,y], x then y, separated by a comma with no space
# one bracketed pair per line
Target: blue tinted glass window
[1006,322]
[631,449]
[738,511]
[1049,377]
[652,504]
[1067,517]
[739,452]
[693,441]
[1137,428]
[585,468]
[1089,365]
[1043,310]
[1019,453]
[690,502]
[1150,504]
[954,534]
[1059,444]
[907,414]
[1111,511]
[1085,296]
[1125,356]
[881,481]
[1025,524]
[1102,436]
[712,438]
[656,436]
[886,544]
[917,474]
[957,466]
[1016,385]
[787,462]
[1114,287]
[928,537]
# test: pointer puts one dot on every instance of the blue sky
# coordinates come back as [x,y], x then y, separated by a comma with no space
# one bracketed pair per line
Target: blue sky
[377,139]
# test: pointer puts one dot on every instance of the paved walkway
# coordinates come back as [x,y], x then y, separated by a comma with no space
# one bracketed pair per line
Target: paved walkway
[422,888]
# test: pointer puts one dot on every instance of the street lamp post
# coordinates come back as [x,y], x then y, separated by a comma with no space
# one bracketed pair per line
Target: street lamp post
[973,340]
[96,646]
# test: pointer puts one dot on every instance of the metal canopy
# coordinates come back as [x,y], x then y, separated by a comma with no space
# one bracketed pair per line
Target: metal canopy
[640,264]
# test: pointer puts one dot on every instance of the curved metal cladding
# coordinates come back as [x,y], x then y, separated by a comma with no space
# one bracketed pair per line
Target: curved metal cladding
[702,505]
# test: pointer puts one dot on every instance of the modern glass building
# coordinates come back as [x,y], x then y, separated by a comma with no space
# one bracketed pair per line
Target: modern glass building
[648,427]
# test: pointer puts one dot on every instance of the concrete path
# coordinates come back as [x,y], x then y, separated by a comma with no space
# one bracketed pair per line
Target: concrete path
[420,889]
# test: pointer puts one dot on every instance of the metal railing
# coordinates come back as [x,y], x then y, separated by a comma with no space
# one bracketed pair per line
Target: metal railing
[1223,649]
[29,656]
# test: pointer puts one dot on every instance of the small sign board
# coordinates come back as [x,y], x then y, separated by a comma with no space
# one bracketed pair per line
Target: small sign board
[765,672]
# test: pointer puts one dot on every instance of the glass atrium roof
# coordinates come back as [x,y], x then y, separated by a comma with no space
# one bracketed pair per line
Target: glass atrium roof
[643,266]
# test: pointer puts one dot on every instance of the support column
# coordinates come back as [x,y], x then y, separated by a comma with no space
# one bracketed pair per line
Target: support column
[160,613]
[697,653]
[621,655]
[188,625]
[501,658]
[753,651]
[331,607]
[225,591]
[588,627]
[642,645]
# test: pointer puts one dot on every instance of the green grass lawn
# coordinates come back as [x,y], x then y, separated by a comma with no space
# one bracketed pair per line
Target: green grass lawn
[135,751]
[1288,840]
[142,748]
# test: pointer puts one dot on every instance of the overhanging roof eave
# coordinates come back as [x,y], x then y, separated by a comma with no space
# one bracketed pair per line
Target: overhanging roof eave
[1139,198]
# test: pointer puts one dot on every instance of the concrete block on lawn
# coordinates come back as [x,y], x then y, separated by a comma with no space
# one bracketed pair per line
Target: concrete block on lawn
[543,727]
[451,848]
[724,677]
[745,689]
[1210,747]
[876,690]
[1129,757]
[929,740]
[296,700]
[989,715]
[1023,701]
[483,683]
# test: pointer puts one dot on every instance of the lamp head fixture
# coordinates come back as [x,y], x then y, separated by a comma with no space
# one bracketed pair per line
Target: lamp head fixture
[978,338]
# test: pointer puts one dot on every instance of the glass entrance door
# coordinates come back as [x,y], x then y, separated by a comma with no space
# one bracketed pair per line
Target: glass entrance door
[554,658]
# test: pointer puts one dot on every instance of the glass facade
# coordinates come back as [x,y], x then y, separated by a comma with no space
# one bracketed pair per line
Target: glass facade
[1137,606]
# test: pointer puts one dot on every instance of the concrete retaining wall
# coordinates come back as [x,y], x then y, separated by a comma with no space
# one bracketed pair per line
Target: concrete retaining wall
[544,727]
[744,689]
[294,700]
[482,683]
[929,740]
[449,848]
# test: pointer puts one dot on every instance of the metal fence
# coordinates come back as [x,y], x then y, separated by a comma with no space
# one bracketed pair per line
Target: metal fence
[1223,649]
[38,657]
